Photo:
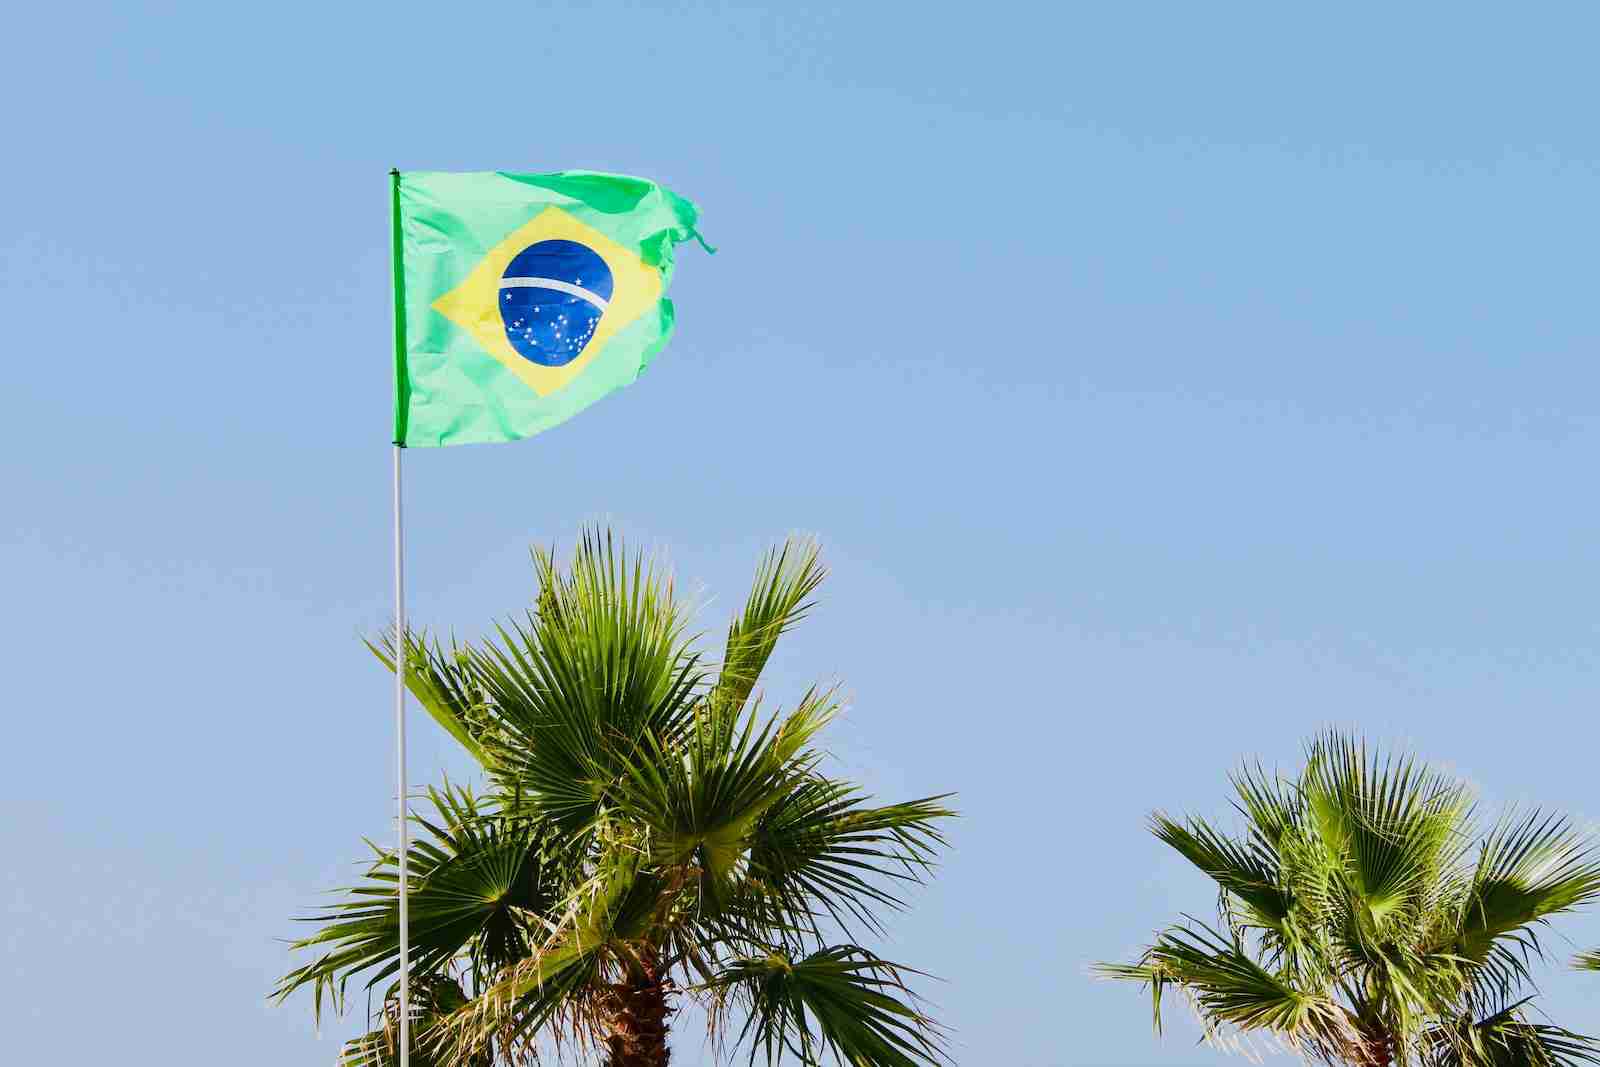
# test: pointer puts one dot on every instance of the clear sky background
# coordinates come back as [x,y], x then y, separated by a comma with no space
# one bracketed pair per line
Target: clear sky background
[1164,382]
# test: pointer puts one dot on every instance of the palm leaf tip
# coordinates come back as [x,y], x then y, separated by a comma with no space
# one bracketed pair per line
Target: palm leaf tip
[780,597]
[1143,973]
[840,1000]
[820,846]
[470,876]
[1529,868]
[1249,873]
[1507,1039]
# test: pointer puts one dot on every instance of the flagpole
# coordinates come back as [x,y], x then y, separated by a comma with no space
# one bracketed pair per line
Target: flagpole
[403,886]
[400,764]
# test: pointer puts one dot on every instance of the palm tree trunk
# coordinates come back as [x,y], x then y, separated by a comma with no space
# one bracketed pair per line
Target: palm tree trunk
[640,1021]
[1376,1051]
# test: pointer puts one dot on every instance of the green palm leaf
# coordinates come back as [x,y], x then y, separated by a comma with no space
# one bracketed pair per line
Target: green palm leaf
[779,598]
[1528,869]
[1232,990]
[840,1000]
[821,848]
[1394,823]
[433,999]
[701,800]
[591,935]
[1249,874]
[599,667]
[470,877]
[442,684]
[1506,1039]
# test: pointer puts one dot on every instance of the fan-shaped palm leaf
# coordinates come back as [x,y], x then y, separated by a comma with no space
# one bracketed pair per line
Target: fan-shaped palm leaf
[590,933]
[470,878]
[1506,1039]
[442,684]
[1394,824]
[1233,992]
[1528,869]
[779,598]
[840,1000]
[1249,874]
[821,848]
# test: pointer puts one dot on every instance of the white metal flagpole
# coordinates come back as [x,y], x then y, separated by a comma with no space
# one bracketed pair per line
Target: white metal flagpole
[400,764]
[403,886]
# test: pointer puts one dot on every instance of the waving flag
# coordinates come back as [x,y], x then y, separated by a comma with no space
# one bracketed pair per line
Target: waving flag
[521,299]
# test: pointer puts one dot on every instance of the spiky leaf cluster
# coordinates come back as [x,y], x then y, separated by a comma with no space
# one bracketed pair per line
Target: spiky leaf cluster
[641,815]
[1366,916]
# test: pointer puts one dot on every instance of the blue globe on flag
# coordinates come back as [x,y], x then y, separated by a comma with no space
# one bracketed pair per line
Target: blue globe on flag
[551,298]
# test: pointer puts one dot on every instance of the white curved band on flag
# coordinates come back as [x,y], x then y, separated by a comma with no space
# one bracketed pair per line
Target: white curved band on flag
[558,285]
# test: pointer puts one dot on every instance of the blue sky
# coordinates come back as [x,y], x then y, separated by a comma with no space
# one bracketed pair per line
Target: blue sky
[1164,383]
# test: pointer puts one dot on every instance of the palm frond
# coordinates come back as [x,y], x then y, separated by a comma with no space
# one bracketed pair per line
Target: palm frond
[577,687]
[1506,1039]
[1588,961]
[471,878]
[779,598]
[1231,992]
[1271,806]
[1528,868]
[442,683]
[821,849]
[1249,874]
[840,1000]
[557,982]
[701,798]
[1500,978]
[1394,822]
[434,998]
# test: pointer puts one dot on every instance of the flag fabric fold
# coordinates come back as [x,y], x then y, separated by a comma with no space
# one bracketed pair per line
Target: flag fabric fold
[521,299]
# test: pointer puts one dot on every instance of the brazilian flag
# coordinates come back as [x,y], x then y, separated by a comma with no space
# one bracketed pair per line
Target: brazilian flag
[521,299]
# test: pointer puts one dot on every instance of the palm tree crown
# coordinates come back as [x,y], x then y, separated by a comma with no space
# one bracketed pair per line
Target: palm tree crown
[645,833]
[1368,918]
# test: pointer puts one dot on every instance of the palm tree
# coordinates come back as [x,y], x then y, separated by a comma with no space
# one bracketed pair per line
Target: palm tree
[644,833]
[1367,918]
[1589,961]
